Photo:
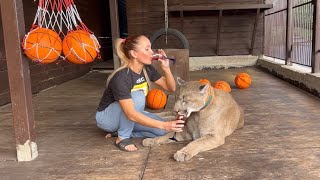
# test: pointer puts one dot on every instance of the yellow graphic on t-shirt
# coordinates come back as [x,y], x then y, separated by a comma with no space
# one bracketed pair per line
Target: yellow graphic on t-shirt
[141,87]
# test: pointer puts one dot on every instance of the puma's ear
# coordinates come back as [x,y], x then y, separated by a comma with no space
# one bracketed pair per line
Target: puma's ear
[204,88]
[180,81]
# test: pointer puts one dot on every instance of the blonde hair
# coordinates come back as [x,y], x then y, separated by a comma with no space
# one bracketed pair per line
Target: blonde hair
[123,48]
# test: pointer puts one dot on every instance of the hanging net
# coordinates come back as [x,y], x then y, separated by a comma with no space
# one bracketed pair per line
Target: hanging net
[56,20]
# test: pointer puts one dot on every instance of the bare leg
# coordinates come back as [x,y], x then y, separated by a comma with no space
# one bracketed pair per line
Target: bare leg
[205,143]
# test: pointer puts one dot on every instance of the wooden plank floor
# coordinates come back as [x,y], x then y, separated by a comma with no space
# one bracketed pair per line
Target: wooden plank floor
[280,140]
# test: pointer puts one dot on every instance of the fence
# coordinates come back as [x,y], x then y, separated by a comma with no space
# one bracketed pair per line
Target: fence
[275,31]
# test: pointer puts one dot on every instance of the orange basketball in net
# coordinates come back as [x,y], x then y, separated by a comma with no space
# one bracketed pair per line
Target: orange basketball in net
[80,47]
[156,99]
[222,85]
[242,80]
[42,45]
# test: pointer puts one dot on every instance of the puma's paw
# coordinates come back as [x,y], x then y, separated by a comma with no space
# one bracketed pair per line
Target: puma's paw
[181,156]
[148,142]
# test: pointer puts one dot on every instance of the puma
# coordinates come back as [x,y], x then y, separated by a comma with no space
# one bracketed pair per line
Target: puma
[210,116]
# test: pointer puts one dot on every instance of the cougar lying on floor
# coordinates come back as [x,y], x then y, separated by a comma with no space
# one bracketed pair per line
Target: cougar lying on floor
[211,115]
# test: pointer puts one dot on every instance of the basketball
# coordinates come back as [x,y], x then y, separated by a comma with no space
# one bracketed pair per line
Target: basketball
[42,45]
[223,85]
[80,47]
[242,80]
[156,99]
[204,81]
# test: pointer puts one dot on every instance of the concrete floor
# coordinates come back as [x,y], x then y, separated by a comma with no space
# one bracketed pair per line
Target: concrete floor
[280,139]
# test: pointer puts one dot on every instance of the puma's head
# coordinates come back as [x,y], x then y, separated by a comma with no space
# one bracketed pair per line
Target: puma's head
[191,97]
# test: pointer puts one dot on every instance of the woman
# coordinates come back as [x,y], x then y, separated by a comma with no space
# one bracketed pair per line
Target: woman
[121,108]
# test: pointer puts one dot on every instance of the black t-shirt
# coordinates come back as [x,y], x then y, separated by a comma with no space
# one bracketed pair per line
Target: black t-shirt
[124,82]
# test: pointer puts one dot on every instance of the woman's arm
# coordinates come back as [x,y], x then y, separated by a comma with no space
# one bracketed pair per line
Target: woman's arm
[167,82]
[128,107]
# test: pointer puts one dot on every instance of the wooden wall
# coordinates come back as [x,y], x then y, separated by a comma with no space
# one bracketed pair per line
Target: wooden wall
[45,76]
[4,82]
[200,28]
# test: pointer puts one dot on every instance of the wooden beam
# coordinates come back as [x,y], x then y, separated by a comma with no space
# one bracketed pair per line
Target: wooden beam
[315,59]
[237,6]
[181,21]
[218,32]
[115,31]
[19,79]
[253,38]
[289,34]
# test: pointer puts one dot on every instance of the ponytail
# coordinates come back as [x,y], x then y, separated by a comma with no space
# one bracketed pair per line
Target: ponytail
[123,47]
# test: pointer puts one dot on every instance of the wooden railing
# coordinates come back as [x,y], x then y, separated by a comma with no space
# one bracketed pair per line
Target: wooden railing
[289,33]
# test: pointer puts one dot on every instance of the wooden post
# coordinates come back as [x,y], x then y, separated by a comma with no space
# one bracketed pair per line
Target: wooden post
[218,32]
[19,79]
[315,59]
[289,33]
[253,38]
[113,4]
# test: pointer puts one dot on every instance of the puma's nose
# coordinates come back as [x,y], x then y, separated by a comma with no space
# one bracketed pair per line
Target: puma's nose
[182,113]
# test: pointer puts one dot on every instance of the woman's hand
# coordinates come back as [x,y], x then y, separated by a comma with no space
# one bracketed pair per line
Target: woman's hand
[164,62]
[175,125]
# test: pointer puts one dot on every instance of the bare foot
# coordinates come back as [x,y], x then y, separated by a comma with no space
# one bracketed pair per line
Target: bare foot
[111,134]
[130,147]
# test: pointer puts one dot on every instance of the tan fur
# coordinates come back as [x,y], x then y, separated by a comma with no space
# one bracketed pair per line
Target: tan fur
[206,127]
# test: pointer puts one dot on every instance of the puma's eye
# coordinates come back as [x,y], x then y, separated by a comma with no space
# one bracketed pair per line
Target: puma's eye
[186,99]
